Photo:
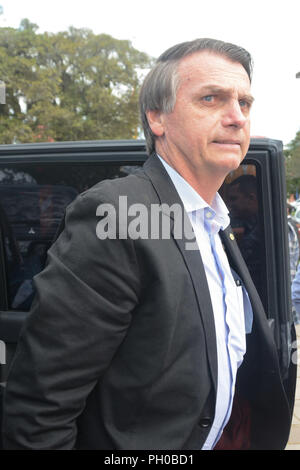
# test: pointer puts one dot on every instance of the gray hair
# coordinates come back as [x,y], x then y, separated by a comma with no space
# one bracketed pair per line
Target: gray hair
[159,89]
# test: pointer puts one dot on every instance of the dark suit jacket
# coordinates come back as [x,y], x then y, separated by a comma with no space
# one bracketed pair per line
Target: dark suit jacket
[119,350]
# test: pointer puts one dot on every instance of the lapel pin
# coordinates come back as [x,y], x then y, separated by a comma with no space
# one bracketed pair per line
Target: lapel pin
[231,236]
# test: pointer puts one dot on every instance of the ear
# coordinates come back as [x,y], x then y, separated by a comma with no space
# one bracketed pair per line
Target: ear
[155,122]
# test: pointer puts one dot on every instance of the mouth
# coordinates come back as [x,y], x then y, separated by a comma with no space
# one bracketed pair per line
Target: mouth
[227,142]
[231,145]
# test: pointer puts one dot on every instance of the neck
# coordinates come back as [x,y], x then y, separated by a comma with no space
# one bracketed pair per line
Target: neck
[206,185]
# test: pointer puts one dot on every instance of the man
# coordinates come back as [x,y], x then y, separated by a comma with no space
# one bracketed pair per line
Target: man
[143,343]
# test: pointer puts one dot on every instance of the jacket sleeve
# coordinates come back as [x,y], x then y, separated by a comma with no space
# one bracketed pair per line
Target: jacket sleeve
[81,312]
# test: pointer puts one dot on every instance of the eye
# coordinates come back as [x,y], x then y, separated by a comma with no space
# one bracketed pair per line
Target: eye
[208,98]
[244,104]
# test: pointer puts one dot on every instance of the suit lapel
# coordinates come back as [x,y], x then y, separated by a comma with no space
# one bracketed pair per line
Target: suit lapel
[237,262]
[167,194]
[259,316]
[194,264]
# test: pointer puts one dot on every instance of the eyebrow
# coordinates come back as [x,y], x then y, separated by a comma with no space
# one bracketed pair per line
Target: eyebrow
[220,90]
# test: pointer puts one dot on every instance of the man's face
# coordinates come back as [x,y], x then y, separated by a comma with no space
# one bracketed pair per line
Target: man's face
[209,129]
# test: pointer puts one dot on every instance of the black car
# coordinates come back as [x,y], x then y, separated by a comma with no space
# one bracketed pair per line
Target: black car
[38,181]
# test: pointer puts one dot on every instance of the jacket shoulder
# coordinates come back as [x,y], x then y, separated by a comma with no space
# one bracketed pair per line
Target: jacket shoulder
[137,187]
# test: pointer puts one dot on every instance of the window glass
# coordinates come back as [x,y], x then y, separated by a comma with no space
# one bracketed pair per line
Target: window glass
[33,199]
[241,194]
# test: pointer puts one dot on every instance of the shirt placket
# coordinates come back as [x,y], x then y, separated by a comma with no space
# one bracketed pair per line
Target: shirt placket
[209,216]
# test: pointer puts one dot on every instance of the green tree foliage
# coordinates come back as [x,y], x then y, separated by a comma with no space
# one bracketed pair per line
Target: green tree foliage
[292,158]
[73,85]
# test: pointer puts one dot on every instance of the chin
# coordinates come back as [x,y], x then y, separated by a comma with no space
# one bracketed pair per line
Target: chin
[229,165]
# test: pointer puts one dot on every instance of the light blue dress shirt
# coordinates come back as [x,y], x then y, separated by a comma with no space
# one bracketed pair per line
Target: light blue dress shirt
[226,296]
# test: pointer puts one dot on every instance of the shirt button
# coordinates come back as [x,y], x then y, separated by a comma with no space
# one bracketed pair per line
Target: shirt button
[205,422]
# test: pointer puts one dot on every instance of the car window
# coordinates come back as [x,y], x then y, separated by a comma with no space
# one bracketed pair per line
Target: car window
[33,199]
[240,192]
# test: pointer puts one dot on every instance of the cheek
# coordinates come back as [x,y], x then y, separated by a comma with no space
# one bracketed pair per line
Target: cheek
[173,124]
[247,138]
[247,130]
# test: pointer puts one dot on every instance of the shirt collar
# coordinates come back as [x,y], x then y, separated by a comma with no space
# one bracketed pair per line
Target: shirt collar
[192,201]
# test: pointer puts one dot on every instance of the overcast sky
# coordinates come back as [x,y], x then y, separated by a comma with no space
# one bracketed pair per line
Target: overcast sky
[269,29]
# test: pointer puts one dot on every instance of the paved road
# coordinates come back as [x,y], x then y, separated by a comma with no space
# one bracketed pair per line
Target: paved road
[294,440]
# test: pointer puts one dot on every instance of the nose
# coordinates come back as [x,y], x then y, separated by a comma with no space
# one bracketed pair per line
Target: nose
[234,115]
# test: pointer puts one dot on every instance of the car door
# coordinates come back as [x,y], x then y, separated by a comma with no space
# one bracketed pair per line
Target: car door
[256,197]
[38,181]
